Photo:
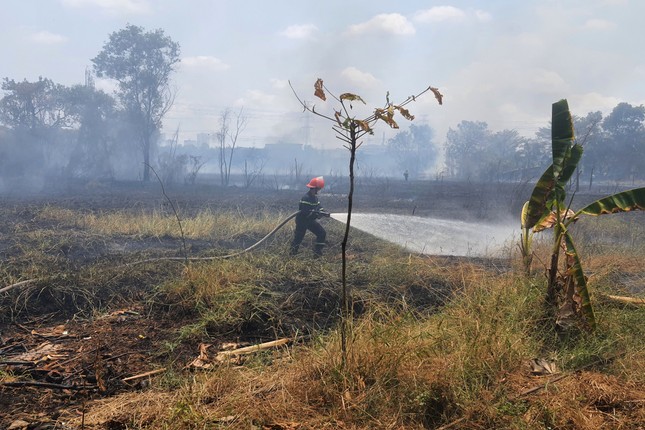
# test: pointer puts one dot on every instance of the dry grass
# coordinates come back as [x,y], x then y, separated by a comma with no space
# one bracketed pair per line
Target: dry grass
[205,224]
[467,363]
[435,341]
[403,371]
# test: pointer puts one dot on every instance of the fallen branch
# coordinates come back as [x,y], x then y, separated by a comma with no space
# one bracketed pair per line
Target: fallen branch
[17,363]
[6,349]
[539,387]
[18,284]
[624,299]
[254,348]
[49,385]
[143,375]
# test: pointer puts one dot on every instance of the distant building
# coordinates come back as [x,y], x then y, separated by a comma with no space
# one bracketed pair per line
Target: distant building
[204,139]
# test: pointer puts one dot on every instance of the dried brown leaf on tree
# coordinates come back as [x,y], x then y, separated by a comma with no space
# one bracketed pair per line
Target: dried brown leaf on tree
[379,113]
[386,116]
[437,95]
[364,125]
[319,91]
[338,116]
[406,113]
[351,97]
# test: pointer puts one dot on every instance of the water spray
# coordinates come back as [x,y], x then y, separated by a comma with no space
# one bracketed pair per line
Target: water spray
[433,236]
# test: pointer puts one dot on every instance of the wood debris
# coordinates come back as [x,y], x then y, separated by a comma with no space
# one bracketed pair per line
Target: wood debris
[206,361]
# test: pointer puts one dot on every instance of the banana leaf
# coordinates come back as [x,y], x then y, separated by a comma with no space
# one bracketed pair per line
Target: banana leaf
[630,200]
[539,205]
[561,134]
[566,156]
[580,281]
[552,218]
[569,165]
[524,217]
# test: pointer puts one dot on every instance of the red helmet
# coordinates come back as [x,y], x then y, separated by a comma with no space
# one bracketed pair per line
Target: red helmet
[317,182]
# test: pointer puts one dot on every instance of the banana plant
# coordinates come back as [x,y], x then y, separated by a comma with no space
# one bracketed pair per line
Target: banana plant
[567,289]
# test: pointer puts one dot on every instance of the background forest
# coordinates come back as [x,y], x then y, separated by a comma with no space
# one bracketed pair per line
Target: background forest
[50,132]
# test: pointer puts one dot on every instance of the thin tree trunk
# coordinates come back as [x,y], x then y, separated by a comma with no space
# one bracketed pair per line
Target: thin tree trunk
[346,310]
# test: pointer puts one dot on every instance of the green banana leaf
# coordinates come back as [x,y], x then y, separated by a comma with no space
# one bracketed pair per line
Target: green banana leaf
[539,205]
[566,156]
[561,134]
[570,164]
[625,201]
[580,281]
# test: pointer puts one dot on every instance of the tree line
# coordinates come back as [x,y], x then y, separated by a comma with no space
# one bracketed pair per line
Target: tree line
[81,131]
[614,149]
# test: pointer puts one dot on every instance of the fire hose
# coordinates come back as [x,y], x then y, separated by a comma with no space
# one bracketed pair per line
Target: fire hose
[219,257]
[235,254]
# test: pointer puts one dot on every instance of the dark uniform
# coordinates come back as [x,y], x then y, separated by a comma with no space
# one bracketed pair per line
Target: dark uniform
[310,211]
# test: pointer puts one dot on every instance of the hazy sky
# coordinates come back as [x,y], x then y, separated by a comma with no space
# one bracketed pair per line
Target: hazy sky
[502,62]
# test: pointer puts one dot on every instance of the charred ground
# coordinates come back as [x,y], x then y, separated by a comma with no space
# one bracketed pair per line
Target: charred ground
[74,341]
[96,323]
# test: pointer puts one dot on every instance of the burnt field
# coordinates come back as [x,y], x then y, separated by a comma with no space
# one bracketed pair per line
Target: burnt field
[92,307]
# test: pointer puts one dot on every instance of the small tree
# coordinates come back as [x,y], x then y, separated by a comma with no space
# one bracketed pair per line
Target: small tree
[172,166]
[350,130]
[413,149]
[296,172]
[566,285]
[465,147]
[97,129]
[227,137]
[195,164]
[253,170]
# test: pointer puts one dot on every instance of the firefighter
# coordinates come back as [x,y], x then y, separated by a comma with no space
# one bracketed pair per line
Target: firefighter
[310,211]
